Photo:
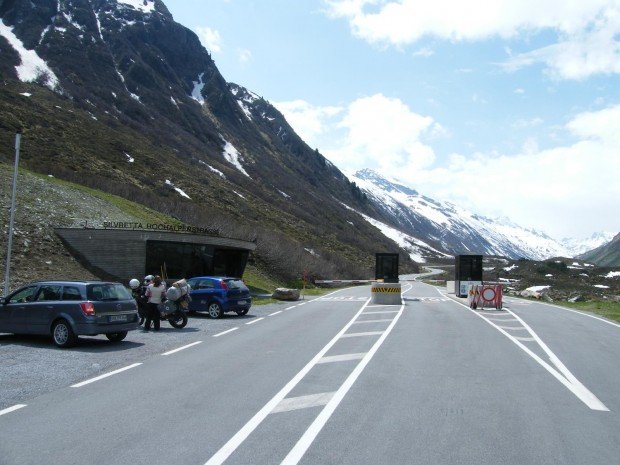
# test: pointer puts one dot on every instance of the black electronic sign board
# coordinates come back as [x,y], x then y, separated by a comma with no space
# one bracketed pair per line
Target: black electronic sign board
[468,271]
[386,267]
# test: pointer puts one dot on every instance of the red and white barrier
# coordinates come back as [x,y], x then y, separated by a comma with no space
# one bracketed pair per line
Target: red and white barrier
[485,295]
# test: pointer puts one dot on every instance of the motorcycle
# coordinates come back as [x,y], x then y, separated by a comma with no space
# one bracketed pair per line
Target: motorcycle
[173,309]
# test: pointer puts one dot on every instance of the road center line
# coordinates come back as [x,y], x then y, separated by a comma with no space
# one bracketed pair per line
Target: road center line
[233,443]
[92,380]
[182,348]
[297,452]
[275,313]
[254,321]
[225,332]
[12,409]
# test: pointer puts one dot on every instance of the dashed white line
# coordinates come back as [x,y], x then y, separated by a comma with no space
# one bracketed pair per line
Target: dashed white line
[225,332]
[288,308]
[182,348]
[254,321]
[92,380]
[16,407]
[275,313]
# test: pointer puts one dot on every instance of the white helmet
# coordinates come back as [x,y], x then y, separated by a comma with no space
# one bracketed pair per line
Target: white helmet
[134,284]
[148,279]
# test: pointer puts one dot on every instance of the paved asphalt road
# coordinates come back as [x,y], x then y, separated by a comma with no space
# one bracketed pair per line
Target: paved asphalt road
[338,381]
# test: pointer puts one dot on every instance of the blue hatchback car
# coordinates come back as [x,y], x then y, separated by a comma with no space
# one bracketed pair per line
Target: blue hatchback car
[218,295]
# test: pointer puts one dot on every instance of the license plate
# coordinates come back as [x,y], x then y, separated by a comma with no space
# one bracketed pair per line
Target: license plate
[114,318]
[241,302]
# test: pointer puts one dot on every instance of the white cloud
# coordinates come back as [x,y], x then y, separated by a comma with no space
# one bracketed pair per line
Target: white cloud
[309,121]
[244,55]
[383,133]
[519,91]
[210,38]
[555,189]
[586,30]
[527,123]
[424,52]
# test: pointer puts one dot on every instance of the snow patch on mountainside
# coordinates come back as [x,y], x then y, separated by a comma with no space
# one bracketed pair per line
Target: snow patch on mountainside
[416,248]
[32,67]
[145,6]
[232,156]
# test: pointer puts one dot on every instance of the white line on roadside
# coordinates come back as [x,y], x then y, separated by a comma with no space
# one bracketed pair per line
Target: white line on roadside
[233,443]
[581,313]
[297,452]
[12,409]
[275,313]
[288,308]
[254,321]
[92,380]
[182,348]
[566,377]
[225,332]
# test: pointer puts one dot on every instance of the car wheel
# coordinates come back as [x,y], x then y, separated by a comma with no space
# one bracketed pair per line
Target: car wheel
[243,312]
[63,335]
[116,337]
[215,310]
[178,320]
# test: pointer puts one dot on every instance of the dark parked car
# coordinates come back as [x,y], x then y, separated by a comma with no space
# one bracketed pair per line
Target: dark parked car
[217,295]
[68,309]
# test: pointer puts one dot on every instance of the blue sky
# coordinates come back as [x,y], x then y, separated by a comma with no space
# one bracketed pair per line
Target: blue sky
[505,107]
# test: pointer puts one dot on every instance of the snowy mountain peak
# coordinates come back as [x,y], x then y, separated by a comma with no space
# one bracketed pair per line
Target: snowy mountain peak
[451,228]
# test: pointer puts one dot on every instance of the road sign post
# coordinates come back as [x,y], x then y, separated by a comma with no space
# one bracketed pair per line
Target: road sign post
[7,275]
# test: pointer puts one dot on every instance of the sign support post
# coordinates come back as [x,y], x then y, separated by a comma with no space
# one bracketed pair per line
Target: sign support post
[7,278]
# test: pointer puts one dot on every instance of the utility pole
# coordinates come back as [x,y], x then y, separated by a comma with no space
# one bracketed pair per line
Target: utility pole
[7,280]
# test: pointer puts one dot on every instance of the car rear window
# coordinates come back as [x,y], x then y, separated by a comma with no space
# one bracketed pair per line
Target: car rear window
[234,283]
[107,292]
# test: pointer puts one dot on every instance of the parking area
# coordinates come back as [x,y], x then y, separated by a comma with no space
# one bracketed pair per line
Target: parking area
[33,365]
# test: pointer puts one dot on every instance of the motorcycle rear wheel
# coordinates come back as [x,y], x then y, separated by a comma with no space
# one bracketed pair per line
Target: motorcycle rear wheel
[178,320]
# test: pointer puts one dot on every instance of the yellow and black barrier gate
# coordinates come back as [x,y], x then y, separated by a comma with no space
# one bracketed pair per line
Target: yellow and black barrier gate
[386,294]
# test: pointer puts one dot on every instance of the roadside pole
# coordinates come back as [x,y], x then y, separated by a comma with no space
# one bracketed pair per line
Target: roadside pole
[7,280]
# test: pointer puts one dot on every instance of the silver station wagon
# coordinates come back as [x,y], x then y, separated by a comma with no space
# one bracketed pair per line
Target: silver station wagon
[68,309]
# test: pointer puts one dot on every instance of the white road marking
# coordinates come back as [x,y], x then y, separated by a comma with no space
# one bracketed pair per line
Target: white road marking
[501,318]
[255,321]
[182,348]
[582,314]
[16,407]
[512,328]
[525,338]
[342,358]
[570,382]
[225,332]
[233,443]
[385,305]
[297,452]
[288,308]
[92,380]
[376,313]
[297,403]
[372,321]
[369,333]
[275,313]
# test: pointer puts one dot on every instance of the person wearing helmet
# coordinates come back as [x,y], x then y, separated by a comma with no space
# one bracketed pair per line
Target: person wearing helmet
[137,293]
[155,294]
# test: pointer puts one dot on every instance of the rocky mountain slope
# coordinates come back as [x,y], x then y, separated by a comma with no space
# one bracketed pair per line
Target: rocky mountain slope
[605,255]
[581,246]
[118,96]
[447,227]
